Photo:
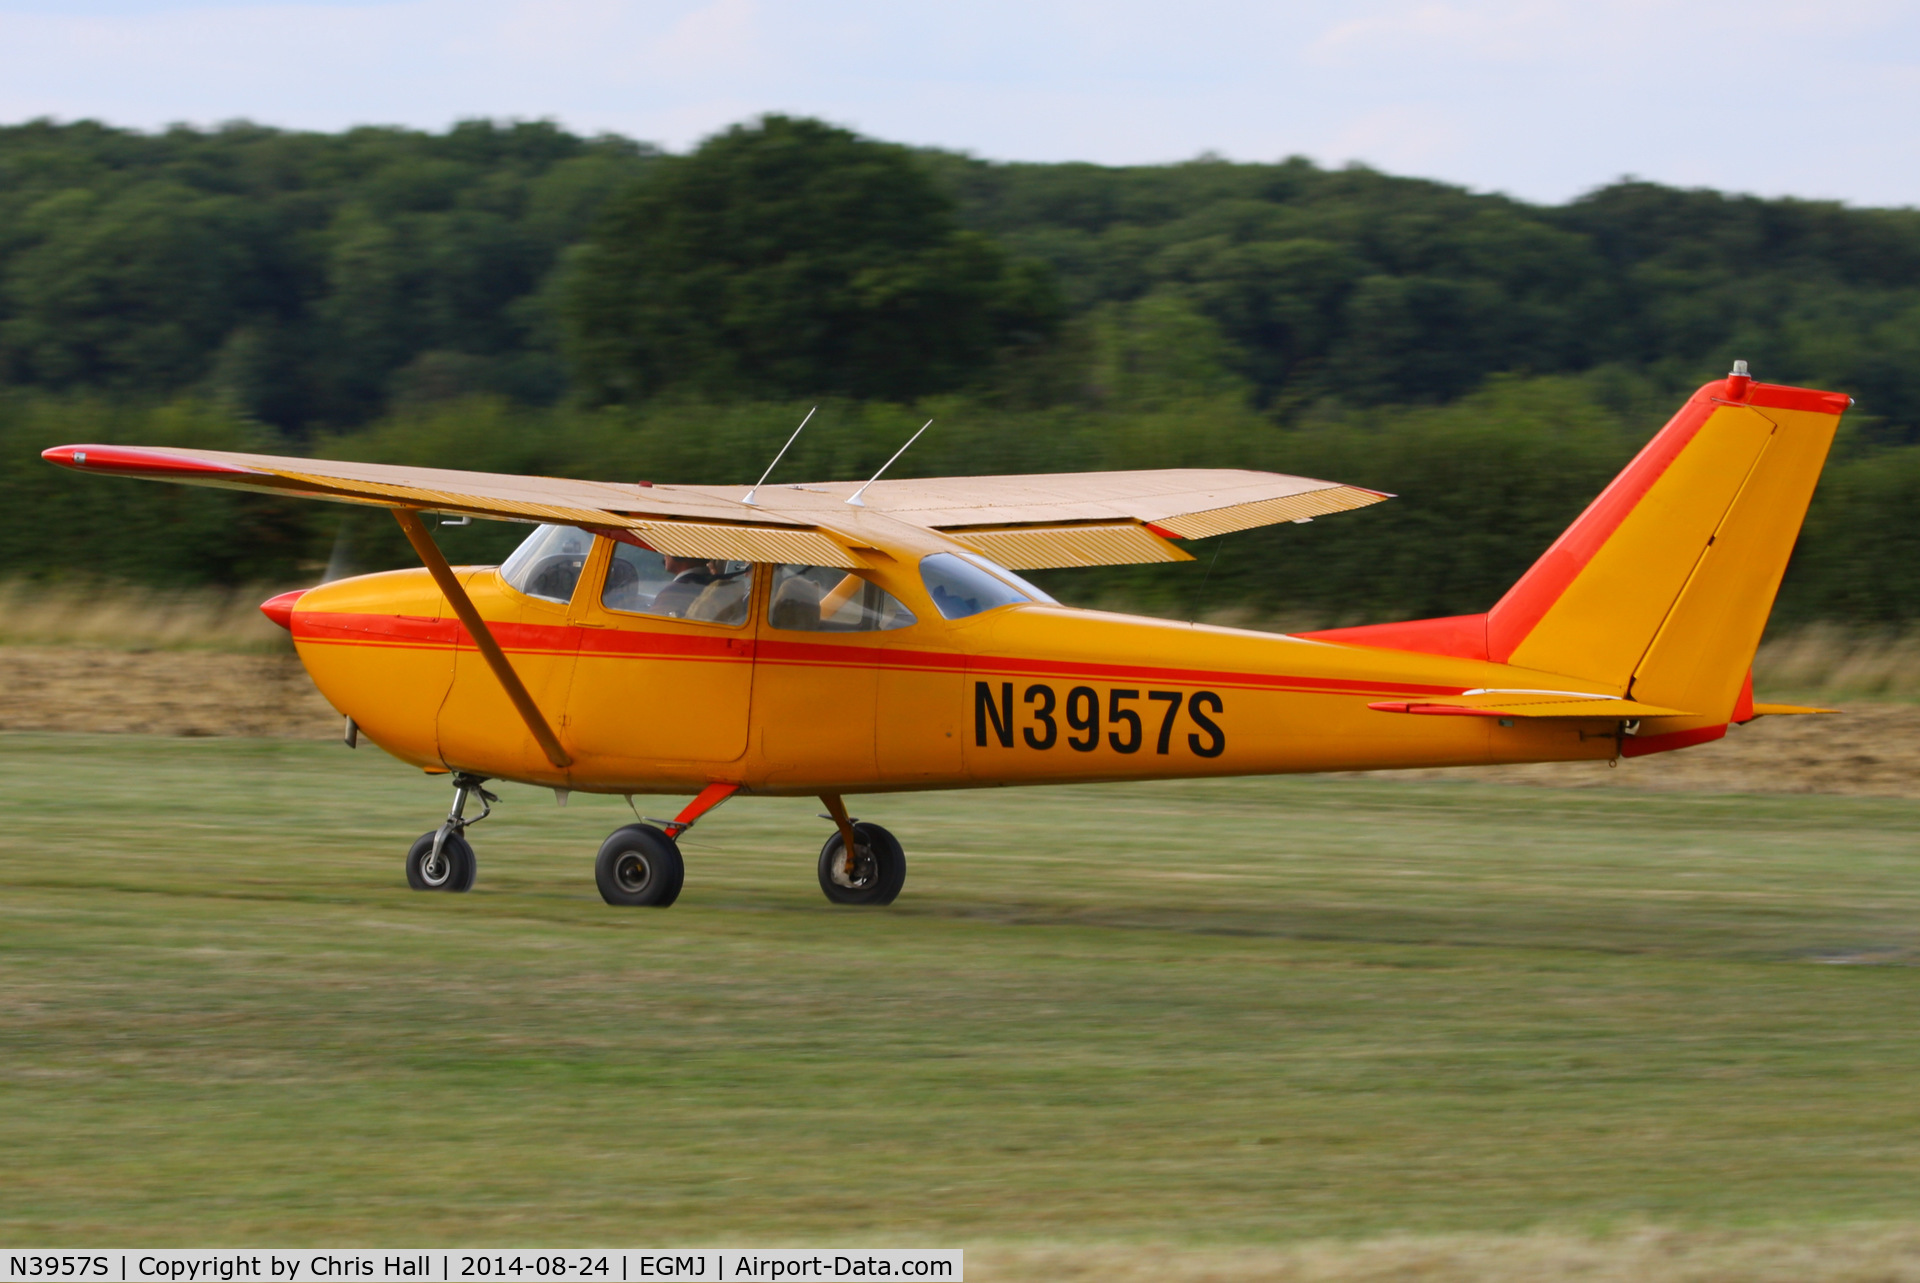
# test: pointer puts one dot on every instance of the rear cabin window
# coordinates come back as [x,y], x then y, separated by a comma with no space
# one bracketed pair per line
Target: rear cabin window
[821,599]
[548,563]
[641,581]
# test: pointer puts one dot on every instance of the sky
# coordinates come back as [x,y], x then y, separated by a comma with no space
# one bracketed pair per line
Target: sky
[1542,99]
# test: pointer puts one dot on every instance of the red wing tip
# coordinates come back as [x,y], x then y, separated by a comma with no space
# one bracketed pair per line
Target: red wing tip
[280,609]
[135,459]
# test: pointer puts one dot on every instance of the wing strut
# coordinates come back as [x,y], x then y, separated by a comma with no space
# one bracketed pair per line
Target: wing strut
[496,658]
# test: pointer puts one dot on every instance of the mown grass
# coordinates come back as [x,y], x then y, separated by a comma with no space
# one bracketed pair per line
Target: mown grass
[1232,1013]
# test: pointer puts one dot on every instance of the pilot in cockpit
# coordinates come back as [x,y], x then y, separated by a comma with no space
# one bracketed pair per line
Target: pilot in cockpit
[690,579]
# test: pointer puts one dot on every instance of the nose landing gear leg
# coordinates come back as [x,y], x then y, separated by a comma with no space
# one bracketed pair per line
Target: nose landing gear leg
[443,859]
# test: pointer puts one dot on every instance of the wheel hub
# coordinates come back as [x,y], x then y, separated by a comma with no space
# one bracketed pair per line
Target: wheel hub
[633,872]
[863,870]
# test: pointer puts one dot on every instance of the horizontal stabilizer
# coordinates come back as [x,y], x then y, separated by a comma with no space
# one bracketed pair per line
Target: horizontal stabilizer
[1527,704]
[1787,710]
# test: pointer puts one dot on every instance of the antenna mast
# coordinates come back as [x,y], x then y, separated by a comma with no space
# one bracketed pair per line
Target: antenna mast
[855,498]
[783,454]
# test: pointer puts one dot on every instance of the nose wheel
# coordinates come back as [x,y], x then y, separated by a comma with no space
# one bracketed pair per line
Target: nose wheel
[443,859]
[451,868]
[874,874]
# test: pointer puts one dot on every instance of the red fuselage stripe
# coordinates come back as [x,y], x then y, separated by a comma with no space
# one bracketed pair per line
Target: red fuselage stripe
[399,631]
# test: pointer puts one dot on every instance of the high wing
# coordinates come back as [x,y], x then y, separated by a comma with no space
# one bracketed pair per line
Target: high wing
[1048,520]
[675,520]
[1037,521]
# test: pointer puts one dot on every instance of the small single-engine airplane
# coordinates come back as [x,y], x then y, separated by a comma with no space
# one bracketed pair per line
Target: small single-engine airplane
[837,639]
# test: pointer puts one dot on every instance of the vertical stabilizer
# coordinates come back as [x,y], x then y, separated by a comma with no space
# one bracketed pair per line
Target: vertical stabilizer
[1662,587]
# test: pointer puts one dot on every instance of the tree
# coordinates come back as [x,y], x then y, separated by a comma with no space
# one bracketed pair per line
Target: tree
[791,257]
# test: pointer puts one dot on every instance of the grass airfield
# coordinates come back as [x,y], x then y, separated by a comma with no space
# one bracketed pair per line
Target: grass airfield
[1228,1029]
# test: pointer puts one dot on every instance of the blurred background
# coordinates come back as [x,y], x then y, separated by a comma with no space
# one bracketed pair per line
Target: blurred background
[517,297]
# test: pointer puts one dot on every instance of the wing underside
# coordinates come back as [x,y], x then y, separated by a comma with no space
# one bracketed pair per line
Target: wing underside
[1031,522]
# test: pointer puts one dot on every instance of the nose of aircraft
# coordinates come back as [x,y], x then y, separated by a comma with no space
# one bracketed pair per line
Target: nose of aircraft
[280,609]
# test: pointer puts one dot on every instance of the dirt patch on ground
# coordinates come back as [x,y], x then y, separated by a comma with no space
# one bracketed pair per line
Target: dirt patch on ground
[1869,750]
[179,692]
[1866,750]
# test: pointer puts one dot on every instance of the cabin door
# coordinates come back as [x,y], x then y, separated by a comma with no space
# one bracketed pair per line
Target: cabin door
[664,669]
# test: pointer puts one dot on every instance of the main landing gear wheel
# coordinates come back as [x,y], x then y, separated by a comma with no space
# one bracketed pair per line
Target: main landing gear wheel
[639,865]
[879,867]
[451,870]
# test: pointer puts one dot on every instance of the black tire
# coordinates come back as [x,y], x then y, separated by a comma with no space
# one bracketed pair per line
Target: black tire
[639,865]
[457,864]
[879,867]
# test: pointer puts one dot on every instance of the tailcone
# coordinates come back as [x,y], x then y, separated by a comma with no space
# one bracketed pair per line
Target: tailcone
[280,609]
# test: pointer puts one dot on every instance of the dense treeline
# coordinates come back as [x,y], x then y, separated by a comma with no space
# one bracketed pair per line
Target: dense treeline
[318,281]
[303,279]
[1373,289]
[518,298]
[1484,484]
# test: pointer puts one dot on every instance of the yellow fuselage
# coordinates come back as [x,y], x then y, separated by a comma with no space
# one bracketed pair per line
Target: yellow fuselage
[1022,694]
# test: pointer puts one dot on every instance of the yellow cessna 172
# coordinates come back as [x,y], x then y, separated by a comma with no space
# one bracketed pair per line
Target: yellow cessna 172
[835,639]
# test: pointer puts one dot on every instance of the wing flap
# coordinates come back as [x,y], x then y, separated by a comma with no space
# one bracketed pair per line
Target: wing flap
[1119,543]
[708,542]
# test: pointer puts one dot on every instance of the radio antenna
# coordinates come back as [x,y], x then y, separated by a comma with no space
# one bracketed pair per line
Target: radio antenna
[855,499]
[776,458]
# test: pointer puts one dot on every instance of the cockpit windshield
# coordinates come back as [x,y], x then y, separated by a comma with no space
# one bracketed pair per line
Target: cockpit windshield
[549,562]
[966,584]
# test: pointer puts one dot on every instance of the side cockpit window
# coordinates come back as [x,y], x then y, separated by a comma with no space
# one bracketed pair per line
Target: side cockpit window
[548,563]
[821,599]
[643,582]
[963,586]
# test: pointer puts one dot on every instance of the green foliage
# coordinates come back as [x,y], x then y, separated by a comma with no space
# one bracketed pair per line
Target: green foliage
[790,258]
[302,278]
[56,524]
[1377,289]
[1859,554]
[319,281]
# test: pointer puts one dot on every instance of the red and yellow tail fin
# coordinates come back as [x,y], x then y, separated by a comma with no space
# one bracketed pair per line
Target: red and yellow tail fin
[1662,587]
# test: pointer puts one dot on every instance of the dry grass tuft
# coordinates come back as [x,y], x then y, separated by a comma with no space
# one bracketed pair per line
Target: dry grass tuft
[123,617]
[1872,1254]
[1837,662]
